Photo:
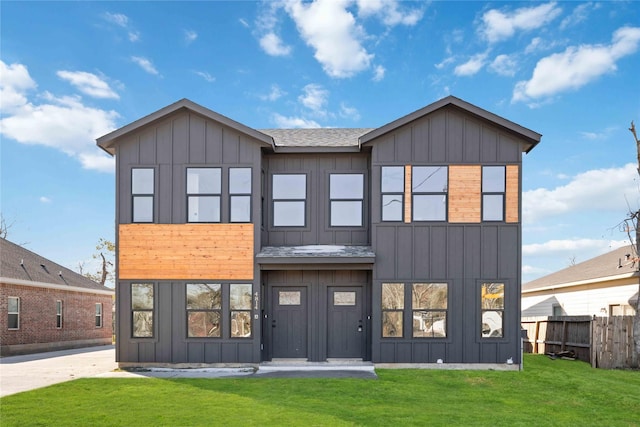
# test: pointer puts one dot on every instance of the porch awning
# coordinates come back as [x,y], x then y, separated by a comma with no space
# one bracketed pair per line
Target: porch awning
[316,257]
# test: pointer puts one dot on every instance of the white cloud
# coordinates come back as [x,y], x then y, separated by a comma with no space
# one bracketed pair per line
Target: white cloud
[504,65]
[608,186]
[576,66]
[378,73]
[349,112]
[243,23]
[293,122]
[445,62]
[208,77]
[145,64]
[472,66]
[45,199]
[580,13]
[122,20]
[314,98]
[498,25]
[190,36]
[15,81]
[388,11]
[89,84]
[331,30]
[275,94]
[571,247]
[272,45]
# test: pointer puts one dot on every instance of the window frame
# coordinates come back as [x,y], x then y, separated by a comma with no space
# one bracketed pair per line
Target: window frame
[395,310]
[275,201]
[246,310]
[205,311]
[59,314]
[343,200]
[139,196]
[501,310]
[444,310]
[99,315]
[491,194]
[233,194]
[14,313]
[194,195]
[417,194]
[399,193]
[152,311]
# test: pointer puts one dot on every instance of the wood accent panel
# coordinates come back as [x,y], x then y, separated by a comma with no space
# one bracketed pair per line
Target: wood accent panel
[407,194]
[185,251]
[512,195]
[465,193]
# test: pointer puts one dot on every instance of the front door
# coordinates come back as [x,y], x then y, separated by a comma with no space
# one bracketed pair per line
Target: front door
[289,322]
[345,335]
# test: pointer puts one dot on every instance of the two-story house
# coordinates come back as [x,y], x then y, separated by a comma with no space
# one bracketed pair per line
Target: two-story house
[400,244]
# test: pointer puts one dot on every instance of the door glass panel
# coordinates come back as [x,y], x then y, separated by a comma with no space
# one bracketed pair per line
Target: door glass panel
[289,297]
[344,298]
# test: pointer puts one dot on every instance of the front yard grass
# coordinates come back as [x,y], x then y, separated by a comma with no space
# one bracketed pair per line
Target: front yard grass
[547,392]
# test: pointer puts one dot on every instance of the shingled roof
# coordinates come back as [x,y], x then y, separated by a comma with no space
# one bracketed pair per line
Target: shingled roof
[612,265]
[18,264]
[316,137]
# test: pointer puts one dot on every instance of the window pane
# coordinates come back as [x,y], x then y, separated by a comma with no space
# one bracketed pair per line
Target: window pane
[13,321]
[203,324]
[142,324]
[240,180]
[142,209]
[429,324]
[240,208]
[203,180]
[392,324]
[240,324]
[344,298]
[59,307]
[346,214]
[392,207]
[206,296]
[288,214]
[429,296]
[392,296]
[492,324]
[492,207]
[429,179]
[493,179]
[289,298]
[392,179]
[289,186]
[98,309]
[240,297]
[13,304]
[431,207]
[141,181]
[346,186]
[142,296]
[204,209]
[492,296]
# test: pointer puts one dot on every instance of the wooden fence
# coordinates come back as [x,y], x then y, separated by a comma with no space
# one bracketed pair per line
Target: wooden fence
[605,342]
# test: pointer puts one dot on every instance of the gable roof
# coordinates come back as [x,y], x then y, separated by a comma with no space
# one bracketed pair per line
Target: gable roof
[108,141]
[21,266]
[532,138]
[610,266]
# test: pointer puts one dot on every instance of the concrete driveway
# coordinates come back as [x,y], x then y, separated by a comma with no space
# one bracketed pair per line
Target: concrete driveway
[31,371]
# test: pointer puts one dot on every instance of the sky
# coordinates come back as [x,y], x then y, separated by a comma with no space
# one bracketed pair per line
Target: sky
[71,72]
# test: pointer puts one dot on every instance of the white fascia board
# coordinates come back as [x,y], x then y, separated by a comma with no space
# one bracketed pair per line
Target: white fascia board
[20,282]
[580,282]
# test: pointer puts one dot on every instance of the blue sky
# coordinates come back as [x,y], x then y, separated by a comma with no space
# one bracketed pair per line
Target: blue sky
[73,71]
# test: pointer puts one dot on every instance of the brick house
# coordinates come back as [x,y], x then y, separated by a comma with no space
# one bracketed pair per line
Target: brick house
[399,244]
[45,306]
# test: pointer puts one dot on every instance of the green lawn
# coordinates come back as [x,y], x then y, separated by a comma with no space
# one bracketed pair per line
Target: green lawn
[547,392]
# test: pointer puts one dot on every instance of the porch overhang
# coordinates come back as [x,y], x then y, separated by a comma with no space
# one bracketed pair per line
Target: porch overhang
[316,257]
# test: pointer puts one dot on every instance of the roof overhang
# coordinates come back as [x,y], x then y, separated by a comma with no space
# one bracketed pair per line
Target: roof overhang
[109,141]
[316,257]
[530,137]
[599,280]
[20,282]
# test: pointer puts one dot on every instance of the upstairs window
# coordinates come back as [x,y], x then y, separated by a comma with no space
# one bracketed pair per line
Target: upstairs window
[493,190]
[142,192]
[492,308]
[240,194]
[203,194]
[392,189]
[429,190]
[346,194]
[58,314]
[289,200]
[13,312]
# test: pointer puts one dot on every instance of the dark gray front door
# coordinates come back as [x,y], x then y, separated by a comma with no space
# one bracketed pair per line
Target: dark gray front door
[289,322]
[345,334]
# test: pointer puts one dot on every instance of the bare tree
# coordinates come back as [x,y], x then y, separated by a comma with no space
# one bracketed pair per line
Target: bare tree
[5,226]
[105,254]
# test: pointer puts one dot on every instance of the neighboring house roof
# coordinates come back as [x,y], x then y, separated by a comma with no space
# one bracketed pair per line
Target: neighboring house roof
[610,266]
[21,266]
[317,137]
[532,138]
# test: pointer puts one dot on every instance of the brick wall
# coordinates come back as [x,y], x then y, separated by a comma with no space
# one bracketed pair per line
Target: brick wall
[38,315]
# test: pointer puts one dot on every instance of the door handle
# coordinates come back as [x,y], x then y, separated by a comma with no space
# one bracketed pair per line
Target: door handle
[273,323]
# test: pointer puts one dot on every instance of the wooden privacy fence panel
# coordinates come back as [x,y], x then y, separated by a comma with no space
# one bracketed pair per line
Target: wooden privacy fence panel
[613,343]
[605,342]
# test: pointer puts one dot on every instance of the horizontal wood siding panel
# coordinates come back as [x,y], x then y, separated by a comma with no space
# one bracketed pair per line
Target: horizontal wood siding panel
[513,190]
[465,193]
[186,251]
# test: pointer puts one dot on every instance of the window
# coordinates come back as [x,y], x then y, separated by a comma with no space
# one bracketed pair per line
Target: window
[493,189]
[142,189]
[58,314]
[142,304]
[98,315]
[203,194]
[556,310]
[429,189]
[346,193]
[240,306]
[289,200]
[429,304]
[204,306]
[392,309]
[621,310]
[392,189]
[492,308]
[240,194]
[13,311]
